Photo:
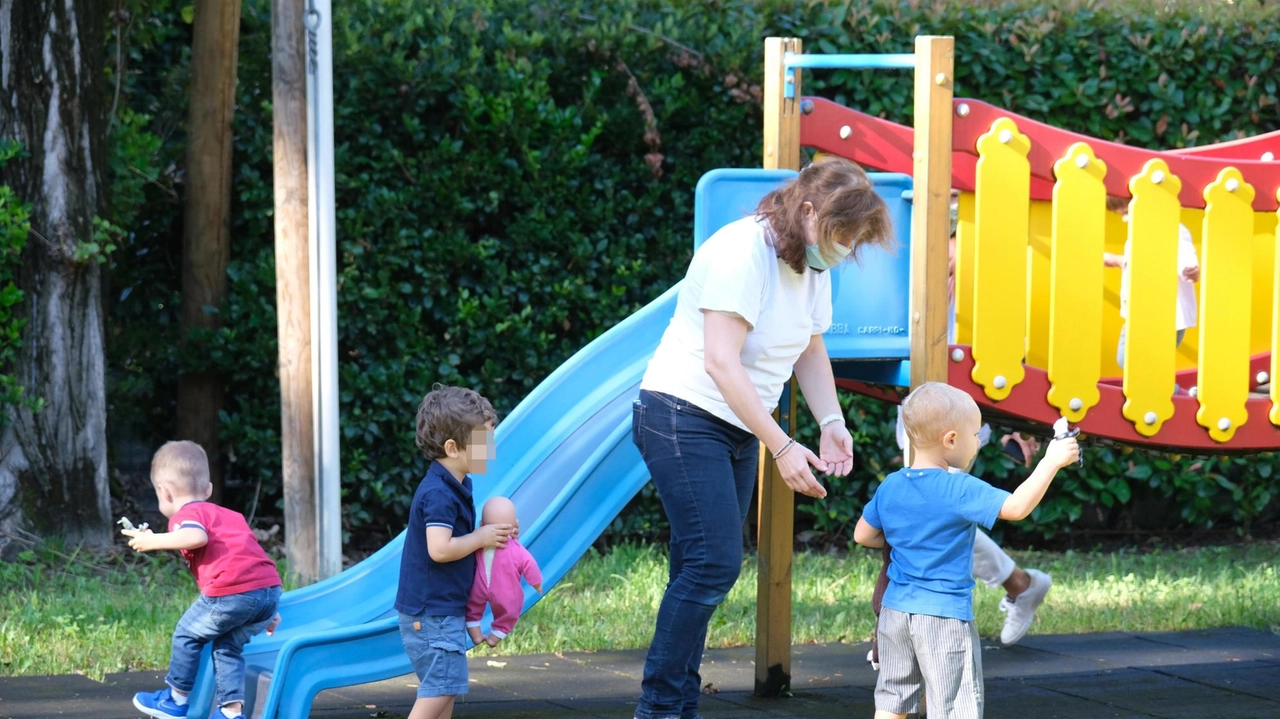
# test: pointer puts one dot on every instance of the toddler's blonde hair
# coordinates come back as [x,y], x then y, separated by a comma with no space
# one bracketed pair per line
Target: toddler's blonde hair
[932,410]
[181,466]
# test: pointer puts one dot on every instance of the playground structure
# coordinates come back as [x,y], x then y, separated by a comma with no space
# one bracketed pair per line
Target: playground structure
[1035,321]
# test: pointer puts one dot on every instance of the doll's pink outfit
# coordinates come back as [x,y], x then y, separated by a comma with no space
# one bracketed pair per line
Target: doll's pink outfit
[497,583]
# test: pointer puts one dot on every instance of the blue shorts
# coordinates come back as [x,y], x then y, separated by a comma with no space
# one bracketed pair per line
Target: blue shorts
[437,649]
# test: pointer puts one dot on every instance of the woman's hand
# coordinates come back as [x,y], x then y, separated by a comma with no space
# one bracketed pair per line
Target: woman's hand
[794,464]
[836,447]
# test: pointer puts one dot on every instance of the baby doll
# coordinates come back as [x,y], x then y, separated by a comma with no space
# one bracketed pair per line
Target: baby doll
[498,574]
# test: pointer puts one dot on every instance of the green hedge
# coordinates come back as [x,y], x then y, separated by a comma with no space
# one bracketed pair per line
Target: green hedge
[515,178]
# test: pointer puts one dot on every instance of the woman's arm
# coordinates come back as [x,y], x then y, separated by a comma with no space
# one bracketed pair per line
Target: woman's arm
[818,384]
[723,337]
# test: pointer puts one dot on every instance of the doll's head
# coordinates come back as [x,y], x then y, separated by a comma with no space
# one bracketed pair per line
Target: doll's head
[498,510]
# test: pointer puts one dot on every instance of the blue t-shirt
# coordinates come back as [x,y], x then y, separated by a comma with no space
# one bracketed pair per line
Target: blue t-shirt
[928,517]
[427,586]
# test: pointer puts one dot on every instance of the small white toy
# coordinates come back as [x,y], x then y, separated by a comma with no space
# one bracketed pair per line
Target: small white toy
[128,529]
[1062,429]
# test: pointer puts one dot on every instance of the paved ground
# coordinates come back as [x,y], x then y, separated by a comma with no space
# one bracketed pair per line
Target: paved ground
[1226,673]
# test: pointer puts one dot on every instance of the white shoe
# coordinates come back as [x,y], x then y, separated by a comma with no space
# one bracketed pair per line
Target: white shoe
[1021,612]
[875,665]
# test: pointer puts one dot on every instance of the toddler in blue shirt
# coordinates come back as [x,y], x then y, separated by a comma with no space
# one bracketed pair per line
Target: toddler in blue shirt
[928,516]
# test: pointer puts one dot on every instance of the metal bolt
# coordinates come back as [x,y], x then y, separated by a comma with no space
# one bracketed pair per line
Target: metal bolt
[1150,418]
[806,106]
[1268,156]
[962,109]
[1224,424]
[1082,161]
[1000,382]
[1233,184]
[941,78]
[957,355]
[845,132]
[1075,404]
[1263,378]
[1157,176]
[1006,136]
[1193,391]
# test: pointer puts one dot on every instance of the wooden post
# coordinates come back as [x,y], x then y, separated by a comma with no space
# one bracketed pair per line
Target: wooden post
[776,500]
[293,285]
[206,236]
[930,215]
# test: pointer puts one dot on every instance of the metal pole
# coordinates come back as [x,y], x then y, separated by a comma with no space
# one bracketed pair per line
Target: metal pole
[324,273]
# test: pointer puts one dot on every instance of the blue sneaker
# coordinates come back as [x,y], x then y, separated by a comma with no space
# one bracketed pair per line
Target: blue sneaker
[159,704]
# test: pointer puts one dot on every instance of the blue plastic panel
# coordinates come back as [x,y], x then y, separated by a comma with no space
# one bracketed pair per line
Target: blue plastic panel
[871,298]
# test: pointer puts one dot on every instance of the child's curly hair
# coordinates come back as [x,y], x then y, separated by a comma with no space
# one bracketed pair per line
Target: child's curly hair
[450,413]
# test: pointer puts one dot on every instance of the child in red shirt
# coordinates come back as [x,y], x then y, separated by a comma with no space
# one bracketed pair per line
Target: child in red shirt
[239,584]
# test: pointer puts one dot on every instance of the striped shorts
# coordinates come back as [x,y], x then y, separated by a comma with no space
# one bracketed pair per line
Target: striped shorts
[937,656]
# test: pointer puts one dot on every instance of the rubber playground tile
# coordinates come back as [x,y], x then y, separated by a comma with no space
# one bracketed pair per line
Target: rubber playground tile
[1238,643]
[845,701]
[1120,650]
[1151,693]
[1018,699]
[1255,679]
[1026,660]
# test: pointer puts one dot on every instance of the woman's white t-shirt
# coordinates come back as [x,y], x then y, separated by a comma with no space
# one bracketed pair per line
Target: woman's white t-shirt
[738,272]
[1186,307]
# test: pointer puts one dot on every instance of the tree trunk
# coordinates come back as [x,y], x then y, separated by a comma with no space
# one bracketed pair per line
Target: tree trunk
[293,283]
[53,463]
[206,241]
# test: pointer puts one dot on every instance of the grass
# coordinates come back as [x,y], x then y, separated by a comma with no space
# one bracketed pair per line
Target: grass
[69,613]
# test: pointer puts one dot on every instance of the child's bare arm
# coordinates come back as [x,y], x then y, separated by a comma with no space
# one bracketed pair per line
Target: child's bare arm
[867,535]
[1061,453]
[444,547]
[147,541]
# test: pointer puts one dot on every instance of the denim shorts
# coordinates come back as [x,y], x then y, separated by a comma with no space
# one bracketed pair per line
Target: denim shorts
[437,649]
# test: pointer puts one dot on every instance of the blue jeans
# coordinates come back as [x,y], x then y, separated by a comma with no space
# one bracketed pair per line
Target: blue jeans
[705,471]
[229,622]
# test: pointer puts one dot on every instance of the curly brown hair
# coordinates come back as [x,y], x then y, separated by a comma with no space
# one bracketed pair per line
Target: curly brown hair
[846,204]
[450,413]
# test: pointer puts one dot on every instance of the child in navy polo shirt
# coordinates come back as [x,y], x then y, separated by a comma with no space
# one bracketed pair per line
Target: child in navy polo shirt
[438,564]
[239,584]
[928,516]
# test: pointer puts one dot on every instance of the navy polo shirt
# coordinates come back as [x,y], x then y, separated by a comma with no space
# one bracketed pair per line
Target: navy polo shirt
[427,586]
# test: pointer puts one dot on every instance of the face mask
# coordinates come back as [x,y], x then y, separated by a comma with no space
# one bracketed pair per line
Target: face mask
[819,262]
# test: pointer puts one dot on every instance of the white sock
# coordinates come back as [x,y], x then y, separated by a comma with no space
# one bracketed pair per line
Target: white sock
[227,713]
[179,699]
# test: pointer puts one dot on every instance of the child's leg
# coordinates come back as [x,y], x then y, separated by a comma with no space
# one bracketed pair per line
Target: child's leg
[950,659]
[195,629]
[251,612]
[432,708]
[900,685]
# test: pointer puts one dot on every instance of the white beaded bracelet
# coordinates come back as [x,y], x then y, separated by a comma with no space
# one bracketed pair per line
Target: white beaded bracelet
[829,419]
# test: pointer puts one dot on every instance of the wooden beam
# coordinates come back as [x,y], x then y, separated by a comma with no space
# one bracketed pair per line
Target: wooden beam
[206,235]
[930,216]
[293,285]
[777,501]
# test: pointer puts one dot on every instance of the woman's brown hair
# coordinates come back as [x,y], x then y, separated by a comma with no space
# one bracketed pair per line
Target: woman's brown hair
[846,204]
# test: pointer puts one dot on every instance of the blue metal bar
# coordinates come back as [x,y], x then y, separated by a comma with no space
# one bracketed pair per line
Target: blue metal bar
[852,62]
[792,61]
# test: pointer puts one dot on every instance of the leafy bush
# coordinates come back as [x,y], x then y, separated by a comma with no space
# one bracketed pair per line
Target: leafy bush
[515,178]
[14,228]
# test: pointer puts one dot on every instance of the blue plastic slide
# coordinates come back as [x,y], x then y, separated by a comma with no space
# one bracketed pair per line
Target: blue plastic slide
[564,456]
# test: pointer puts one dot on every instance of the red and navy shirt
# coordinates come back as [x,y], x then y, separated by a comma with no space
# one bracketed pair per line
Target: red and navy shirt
[232,562]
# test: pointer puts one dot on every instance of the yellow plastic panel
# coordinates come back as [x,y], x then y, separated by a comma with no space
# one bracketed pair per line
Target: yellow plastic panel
[1153,282]
[1275,328]
[964,269]
[1264,258]
[1225,291]
[1075,307]
[1003,189]
[1039,242]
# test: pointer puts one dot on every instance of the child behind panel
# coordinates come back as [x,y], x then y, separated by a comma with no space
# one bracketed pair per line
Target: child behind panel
[498,575]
